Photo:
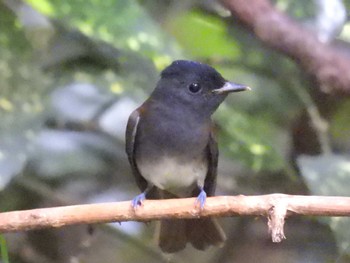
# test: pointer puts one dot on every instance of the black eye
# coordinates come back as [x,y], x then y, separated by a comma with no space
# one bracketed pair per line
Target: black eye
[194,87]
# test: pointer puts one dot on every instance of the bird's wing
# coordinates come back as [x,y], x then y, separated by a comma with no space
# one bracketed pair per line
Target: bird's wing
[213,155]
[131,132]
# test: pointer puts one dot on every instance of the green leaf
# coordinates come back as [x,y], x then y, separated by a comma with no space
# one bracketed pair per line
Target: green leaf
[326,174]
[249,139]
[203,35]
[43,6]
[4,250]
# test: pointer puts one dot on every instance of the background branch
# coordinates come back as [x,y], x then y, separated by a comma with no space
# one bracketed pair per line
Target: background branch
[330,67]
[275,206]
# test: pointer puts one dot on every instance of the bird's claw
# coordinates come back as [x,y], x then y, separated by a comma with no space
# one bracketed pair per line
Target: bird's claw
[201,198]
[138,200]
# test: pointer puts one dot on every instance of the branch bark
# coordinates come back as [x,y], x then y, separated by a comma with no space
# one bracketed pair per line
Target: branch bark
[275,206]
[328,65]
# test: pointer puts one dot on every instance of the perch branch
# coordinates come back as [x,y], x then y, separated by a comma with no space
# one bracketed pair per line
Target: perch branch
[275,206]
[327,64]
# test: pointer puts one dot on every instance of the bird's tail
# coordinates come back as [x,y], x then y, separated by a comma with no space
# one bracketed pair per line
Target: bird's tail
[174,234]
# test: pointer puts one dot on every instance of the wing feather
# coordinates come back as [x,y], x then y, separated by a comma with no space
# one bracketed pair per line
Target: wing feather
[213,155]
[130,138]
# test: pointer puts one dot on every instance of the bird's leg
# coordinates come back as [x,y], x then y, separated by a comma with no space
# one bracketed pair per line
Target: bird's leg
[201,198]
[138,200]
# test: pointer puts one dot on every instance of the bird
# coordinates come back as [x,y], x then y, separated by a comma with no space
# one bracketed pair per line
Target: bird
[172,148]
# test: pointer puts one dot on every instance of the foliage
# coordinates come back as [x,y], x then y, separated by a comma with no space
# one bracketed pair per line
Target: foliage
[72,71]
[4,250]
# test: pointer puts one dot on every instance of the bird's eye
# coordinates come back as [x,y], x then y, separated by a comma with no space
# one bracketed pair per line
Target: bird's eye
[194,87]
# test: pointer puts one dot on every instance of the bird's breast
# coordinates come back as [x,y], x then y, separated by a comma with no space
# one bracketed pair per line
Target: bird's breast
[174,175]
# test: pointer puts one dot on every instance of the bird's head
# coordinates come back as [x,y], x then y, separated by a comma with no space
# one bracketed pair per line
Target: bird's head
[195,86]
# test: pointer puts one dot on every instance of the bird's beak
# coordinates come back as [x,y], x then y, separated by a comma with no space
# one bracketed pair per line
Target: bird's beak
[230,87]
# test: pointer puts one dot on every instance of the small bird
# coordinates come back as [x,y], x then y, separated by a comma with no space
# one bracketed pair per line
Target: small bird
[172,149]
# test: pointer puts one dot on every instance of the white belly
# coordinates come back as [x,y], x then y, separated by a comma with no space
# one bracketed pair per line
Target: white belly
[176,177]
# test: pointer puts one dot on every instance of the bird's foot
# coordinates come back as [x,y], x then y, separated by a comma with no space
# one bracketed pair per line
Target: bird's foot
[138,200]
[201,199]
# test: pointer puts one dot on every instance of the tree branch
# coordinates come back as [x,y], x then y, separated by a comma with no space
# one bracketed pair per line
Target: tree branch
[329,66]
[275,206]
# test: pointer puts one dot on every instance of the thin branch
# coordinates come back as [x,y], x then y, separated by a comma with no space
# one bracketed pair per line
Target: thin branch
[42,189]
[320,124]
[275,206]
[327,64]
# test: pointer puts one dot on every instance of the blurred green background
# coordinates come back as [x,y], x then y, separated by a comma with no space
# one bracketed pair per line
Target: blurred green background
[71,72]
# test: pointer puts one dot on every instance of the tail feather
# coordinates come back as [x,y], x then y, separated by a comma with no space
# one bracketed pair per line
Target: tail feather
[174,234]
[204,232]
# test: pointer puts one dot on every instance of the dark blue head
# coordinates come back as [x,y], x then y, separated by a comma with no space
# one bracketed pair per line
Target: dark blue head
[193,86]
